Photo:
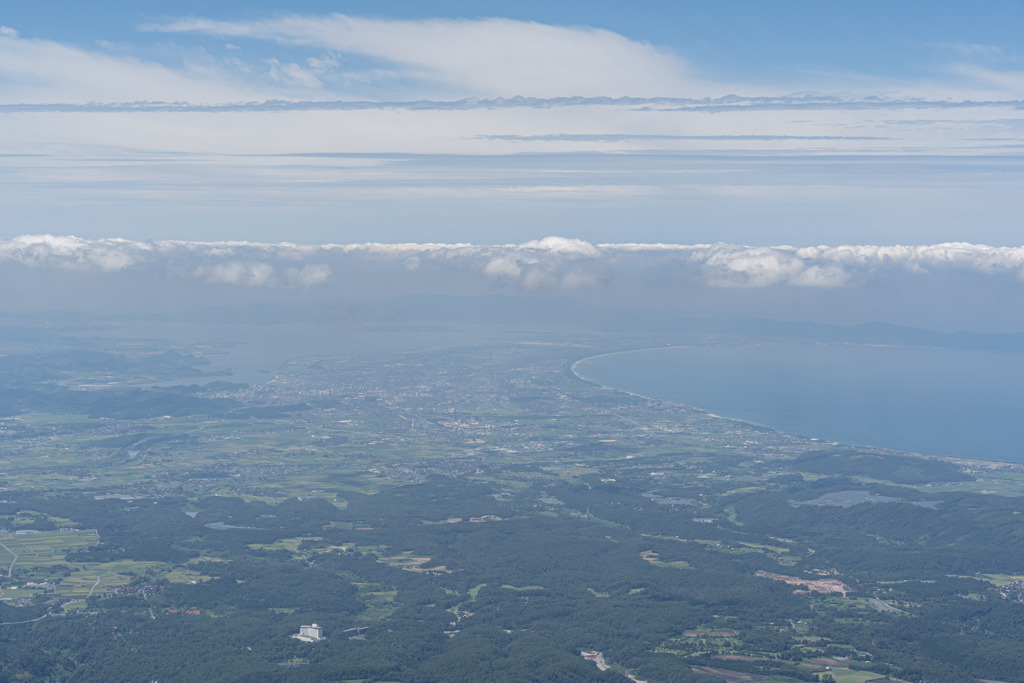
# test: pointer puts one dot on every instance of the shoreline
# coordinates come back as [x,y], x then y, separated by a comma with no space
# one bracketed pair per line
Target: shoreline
[989,464]
[577,375]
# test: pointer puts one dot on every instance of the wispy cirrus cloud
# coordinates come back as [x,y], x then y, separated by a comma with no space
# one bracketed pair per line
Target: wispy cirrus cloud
[478,57]
[299,119]
[975,51]
[439,60]
[34,71]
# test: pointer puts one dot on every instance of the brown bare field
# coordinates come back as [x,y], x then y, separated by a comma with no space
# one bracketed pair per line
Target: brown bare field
[652,557]
[726,675]
[825,661]
[813,585]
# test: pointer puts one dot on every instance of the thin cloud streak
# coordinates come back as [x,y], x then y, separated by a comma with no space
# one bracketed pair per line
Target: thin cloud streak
[728,103]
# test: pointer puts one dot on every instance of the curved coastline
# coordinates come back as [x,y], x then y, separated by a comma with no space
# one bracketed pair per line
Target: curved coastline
[824,441]
[575,372]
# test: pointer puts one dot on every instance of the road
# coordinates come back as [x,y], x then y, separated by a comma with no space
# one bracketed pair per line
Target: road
[883,607]
[99,580]
[10,569]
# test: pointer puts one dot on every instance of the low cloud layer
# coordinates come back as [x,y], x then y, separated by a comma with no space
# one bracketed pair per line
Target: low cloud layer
[552,263]
[947,287]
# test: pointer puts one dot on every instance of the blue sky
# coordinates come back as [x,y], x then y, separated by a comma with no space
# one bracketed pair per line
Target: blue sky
[799,123]
[738,38]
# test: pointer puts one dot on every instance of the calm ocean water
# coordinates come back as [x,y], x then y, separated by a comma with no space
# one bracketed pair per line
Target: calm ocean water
[925,400]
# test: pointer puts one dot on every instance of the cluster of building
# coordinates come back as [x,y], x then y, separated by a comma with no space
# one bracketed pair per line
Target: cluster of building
[1013,590]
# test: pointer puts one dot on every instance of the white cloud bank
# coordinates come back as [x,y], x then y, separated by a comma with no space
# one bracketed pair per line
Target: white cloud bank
[552,263]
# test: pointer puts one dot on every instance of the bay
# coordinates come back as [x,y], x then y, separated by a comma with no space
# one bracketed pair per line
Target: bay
[919,399]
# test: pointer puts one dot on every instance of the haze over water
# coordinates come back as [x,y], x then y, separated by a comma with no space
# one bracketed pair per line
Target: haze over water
[919,399]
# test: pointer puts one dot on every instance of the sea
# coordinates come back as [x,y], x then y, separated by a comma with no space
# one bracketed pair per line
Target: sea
[929,400]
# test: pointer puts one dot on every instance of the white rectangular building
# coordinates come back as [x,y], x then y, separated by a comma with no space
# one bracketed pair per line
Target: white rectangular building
[310,634]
